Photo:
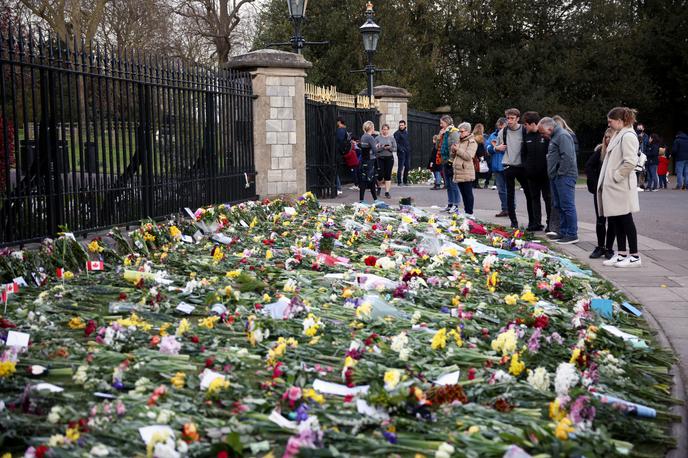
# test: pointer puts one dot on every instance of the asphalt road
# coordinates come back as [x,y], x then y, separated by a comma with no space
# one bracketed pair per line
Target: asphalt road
[663,215]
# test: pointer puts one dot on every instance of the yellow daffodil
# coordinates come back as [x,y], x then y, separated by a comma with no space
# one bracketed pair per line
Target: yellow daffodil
[556,413]
[94,247]
[135,321]
[183,327]
[505,342]
[564,428]
[439,340]
[209,322]
[7,368]
[178,380]
[364,310]
[163,329]
[516,366]
[73,434]
[68,275]
[76,323]
[310,393]
[511,299]
[456,334]
[217,385]
[175,233]
[575,354]
[268,255]
[528,296]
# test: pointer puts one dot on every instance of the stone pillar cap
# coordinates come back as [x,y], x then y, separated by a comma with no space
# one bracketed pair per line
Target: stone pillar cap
[387,91]
[269,58]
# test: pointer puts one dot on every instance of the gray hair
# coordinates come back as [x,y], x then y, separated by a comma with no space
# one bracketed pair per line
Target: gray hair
[547,123]
[465,126]
[501,121]
[448,119]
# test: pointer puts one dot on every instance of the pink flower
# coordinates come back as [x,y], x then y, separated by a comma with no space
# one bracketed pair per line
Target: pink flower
[293,394]
[170,346]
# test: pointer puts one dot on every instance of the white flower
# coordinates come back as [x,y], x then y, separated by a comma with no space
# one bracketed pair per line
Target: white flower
[501,376]
[539,379]
[565,378]
[164,416]
[385,263]
[54,415]
[141,385]
[445,450]
[56,440]
[416,317]
[399,342]
[99,450]
[404,354]
[489,261]
[81,375]
[165,450]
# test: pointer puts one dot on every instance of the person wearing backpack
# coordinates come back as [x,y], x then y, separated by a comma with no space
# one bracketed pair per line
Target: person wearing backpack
[510,142]
[535,162]
[496,167]
[448,141]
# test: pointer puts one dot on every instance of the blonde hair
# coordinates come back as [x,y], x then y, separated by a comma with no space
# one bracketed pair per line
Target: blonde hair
[603,148]
[562,123]
[478,132]
[368,126]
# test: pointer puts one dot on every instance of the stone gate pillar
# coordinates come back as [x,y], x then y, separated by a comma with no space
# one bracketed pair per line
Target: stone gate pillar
[392,103]
[279,119]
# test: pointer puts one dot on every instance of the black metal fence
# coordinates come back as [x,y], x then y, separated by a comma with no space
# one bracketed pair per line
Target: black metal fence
[93,138]
[322,162]
[421,127]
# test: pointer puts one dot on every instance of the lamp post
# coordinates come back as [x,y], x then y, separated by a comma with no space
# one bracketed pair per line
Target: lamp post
[297,13]
[370,32]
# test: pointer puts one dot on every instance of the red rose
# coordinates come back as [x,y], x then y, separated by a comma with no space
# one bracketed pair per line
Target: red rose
[542,321]
[370,261]
[90,328]
[40,451]
[222,454]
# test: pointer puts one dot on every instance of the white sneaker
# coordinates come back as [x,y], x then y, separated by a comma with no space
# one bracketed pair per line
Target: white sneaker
[339,193]
[629,261]
[613,260]
[493,187]
[354,188]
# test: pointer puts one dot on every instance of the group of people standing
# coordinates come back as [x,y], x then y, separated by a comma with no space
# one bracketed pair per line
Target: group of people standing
[540,153]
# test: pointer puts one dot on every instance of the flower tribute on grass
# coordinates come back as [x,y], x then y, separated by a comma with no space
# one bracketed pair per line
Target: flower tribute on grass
[289,328]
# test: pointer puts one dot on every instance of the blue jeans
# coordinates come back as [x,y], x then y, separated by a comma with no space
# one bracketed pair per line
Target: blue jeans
[403,166]
[501,189]
[438,177]
[651,176]
[564,200]
[453,197]
[681,174]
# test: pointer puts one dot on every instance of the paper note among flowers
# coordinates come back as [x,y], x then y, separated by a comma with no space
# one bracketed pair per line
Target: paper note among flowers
[17,339]
[630,338]
[336,389]
[451,378]
[208,376]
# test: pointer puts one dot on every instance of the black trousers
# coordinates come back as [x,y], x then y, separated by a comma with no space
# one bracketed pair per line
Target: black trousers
[511,174]
[539,187]
[604,229]
[466,190]
[624,228]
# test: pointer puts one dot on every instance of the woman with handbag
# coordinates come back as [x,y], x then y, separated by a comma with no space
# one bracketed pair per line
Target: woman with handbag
[617,194]
[462,155]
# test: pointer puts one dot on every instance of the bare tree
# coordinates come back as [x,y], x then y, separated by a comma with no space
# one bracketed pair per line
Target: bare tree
[70,18]
[144,25]
[214,20]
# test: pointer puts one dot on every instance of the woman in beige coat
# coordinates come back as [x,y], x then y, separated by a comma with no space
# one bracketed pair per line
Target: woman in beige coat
[462,155]
[617,194]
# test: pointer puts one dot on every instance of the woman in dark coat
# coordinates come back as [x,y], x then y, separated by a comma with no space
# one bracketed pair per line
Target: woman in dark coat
[605,235]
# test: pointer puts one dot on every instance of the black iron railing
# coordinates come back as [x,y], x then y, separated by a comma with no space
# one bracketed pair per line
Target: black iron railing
[322,162]
[92,138]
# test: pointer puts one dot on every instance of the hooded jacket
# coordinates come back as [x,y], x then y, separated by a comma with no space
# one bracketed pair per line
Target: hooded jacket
[679,149]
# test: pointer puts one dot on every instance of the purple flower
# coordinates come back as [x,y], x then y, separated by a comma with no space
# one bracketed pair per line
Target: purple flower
[117,384]
[391,437]
[444,309]
[534,341]
[302,413]
[581,410]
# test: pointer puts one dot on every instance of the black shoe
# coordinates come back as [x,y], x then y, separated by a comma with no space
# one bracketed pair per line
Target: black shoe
[567,240]
[502,214]
[514,224]
[535,228]
[608,254]
[598,252]
[387,195]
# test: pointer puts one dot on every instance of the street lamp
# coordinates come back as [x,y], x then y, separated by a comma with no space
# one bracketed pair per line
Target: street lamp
[370,32]
[297,13]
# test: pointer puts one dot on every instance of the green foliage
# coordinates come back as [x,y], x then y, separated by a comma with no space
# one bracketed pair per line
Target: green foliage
[577,59]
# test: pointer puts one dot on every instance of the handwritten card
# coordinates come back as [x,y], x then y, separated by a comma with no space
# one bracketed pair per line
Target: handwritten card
[17,339]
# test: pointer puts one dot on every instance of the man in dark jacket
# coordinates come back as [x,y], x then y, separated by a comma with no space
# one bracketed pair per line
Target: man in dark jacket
[563,171]
[535,163]
[342,140]
[679,151]
[401,136]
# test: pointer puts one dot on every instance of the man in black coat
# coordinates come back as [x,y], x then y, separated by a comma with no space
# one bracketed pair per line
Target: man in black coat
[535,163]
[401,136]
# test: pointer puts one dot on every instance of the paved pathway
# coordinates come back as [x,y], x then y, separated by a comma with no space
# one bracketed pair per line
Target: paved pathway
[660,285]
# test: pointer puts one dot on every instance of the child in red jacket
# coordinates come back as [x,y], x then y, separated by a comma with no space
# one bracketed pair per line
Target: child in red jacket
[663,168]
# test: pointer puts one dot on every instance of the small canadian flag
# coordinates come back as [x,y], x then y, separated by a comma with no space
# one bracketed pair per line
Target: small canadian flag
[11,288]
[59,272]
[95,265]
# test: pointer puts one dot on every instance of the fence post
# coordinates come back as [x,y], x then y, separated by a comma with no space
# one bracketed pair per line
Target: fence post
[279,134]
[392,103]
[144,148]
